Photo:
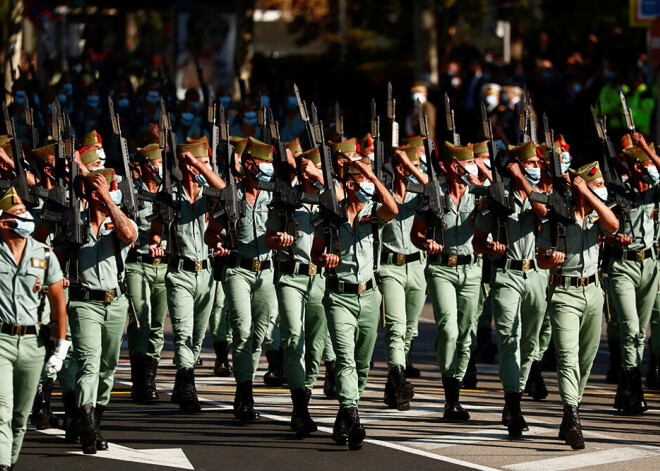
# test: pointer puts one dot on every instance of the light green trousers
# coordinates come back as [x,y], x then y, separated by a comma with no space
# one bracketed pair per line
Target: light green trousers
[219,322]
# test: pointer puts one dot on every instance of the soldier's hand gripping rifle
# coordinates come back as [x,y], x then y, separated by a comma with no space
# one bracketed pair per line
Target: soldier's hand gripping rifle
[129,201]
[451,123]
[19,182]
[559,213]
[497,202]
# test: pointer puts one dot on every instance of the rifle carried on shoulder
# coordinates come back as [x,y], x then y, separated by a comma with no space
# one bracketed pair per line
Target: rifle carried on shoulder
[129,201]
[451,123]
[627,115]
[213,130]
[19,182]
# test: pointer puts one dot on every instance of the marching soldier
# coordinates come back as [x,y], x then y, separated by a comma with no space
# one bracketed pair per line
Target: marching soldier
[453,275]
[352,300]
[633,272]
[189,279]
[402,277]
[30,273]
[146,266]
[248,276]
[98,302]
[517,284]
[576,298]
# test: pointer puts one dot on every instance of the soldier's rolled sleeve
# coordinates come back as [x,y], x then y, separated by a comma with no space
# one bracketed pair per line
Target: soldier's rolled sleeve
[55,274]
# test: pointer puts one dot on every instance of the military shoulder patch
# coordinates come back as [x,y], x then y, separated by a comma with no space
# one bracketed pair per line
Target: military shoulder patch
[109,225]
[37,263]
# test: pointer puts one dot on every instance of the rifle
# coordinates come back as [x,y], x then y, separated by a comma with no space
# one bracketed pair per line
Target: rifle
[304,116]
[559,213]
[126,186]
[393,138]
[339,122]
[378,171]
[266,136]
[165,209]
[524,119]
[214,131]
[229,210]
[627,115]
[30,124]
[620,201]
[451,124]
[19,182]
[497,201]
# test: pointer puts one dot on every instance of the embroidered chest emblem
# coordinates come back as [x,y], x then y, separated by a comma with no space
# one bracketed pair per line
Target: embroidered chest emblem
[37,263]
[365,219]
[37,285]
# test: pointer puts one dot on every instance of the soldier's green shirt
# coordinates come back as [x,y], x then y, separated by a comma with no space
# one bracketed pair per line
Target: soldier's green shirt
[144,226]
[581,246]
[396,233]
[302,246]
[458,229]
[20,292]
[251,229]
[356,264]
[521,225]
[97,265]
[641,217]
[191,225]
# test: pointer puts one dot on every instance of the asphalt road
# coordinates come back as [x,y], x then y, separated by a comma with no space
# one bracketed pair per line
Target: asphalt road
[159,437]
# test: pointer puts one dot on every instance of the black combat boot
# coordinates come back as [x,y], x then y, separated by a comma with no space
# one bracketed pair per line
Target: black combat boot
[101,443]
[389,395]
[150,371]
[486,348]
[244,403]
[71,418]
[222,367]
[42,415]
[570,430]
[329,380]
[88,429]
[535,385]
[653,375]
[411,371]
[637,404]
[453,410]
[515,422]
[356,432]
[274,375]
[403,389]
[470,378]
[340,430]
[138,378]
[614,372]
[188,401]
[301,421]
[176,390]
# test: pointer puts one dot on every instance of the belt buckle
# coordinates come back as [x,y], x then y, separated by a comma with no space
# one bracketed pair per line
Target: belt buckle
[156,261]
[19,330]
[526,264]
[256,265]
[452,260]
[362,288]
[400,259]
[109,296]
[312,269]
[199,265]
[639,255]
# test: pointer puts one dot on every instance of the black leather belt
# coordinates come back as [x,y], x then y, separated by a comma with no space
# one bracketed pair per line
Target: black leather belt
[452,260]
[575,281]
[349,288]
[189,265]
[20,330]
[254,264]
[392,258]
[81,294]
[631,255]
[303,269]
[134,257]
[522,265]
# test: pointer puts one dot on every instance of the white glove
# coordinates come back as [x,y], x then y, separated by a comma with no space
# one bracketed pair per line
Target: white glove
[54,364]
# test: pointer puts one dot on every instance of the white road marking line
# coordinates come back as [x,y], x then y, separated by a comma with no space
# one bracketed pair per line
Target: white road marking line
[579,460]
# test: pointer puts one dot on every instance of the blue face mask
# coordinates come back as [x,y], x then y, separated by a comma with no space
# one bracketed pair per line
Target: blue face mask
[187,118]
[35,99]
[226,101]
[68,88]
[62,98]
[577,88]
[291,102]
[123,103]
[250,118]
[265,101]
[533,175]
[318,185]
[196,106]
[19,98]
[153,97]
[24,224]
[366,191]
[653,173]
[601,193]
[266,171]
[565,167]
[116,196]
[201,179]
[412,178]
[50,108]
[157,172]
[93,101]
